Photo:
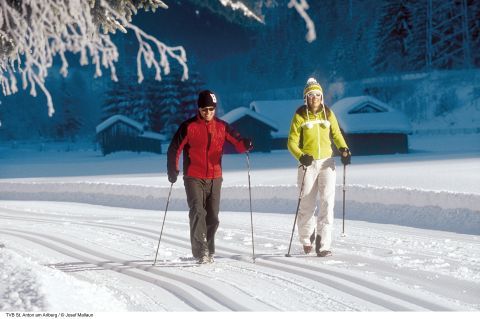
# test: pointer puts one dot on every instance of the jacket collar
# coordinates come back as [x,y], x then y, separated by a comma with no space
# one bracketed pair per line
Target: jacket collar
[201,120]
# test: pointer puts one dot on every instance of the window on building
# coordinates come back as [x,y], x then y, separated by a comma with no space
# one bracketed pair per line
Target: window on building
[367,108]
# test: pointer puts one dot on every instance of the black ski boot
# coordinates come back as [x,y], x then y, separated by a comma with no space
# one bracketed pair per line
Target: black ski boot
[318,239]
[321,253]
[312,237]
[324,253]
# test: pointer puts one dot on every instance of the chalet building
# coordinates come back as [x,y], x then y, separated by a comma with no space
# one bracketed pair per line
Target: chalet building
[252,125]
[371,126]
[120,133]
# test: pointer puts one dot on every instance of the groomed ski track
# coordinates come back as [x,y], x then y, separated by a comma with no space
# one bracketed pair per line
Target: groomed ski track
[112,245]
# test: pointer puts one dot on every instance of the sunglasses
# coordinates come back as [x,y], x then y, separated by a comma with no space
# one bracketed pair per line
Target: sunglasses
[207,109]
[311,94]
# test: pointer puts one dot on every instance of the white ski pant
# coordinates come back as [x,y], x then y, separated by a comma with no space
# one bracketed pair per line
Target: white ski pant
[320,179]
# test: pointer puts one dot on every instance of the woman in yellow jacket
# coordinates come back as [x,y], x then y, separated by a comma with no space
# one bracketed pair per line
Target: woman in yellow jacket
[309,142]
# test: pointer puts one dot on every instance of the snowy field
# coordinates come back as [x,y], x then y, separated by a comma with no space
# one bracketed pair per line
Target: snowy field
[79,231]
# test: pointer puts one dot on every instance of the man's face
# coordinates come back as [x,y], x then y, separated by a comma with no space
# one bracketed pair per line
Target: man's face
[314,100]
[207,113]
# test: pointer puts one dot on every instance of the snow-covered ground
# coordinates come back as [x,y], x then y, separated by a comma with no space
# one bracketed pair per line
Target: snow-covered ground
[79,232]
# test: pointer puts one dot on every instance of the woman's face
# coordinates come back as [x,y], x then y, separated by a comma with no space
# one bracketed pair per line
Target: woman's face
[314,101]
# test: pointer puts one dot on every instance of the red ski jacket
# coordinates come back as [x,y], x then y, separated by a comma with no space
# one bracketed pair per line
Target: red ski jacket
[202,145]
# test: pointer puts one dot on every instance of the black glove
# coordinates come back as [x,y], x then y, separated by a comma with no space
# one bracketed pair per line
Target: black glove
[306,159]
[248,144]
[172,176]
[345,155]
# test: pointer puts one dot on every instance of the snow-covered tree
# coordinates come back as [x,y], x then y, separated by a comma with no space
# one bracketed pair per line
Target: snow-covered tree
[127,97]
[160,106]
[68,124]
[33,32]
[426,35]
[474,27]
[394,29]
[165,107]
[188,95]
[450,30]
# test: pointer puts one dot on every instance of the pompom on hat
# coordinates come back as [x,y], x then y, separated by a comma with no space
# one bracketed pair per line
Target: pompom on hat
[311,86]
[206,98]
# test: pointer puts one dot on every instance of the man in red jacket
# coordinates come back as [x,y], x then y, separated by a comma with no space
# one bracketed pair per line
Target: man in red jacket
[201,138]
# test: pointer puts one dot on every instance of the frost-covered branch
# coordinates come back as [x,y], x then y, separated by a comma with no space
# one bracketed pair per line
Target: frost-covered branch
[238,5]
[302,6]
[147,52]
[33,32]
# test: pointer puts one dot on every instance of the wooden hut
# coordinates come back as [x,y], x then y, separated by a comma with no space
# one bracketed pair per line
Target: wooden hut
[280,112]
[120,133]
[252,125]
[371,126]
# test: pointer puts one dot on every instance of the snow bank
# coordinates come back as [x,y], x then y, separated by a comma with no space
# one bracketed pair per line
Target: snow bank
[441,210]
[19,288]
[27,286]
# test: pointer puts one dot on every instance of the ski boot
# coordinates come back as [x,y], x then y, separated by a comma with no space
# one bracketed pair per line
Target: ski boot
[321,253]
[308,248]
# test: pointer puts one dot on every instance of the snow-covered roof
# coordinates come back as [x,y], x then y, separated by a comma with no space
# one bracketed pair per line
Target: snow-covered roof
[279,112]
[153,135]
[240,112]
[366,114]
[141,133]
[115,118]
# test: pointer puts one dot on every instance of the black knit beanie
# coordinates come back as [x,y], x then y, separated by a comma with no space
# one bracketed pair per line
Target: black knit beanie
[206,98]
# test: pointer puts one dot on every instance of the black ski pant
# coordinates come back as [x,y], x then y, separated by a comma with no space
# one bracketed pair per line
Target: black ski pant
[203,197]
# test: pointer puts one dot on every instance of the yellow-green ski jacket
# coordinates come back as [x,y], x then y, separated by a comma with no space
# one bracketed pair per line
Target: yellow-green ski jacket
[311,135]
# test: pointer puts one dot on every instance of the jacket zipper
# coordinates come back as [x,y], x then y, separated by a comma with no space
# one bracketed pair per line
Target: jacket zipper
[209,141]
[318,134]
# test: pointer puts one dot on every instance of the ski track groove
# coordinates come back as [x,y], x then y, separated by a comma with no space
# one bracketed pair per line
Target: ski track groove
[361,282]
[178,292]
[129,229]
[177,243]
[223,303]
[292,282]
[238,287]
[305,271]
[425,304]
[385,251]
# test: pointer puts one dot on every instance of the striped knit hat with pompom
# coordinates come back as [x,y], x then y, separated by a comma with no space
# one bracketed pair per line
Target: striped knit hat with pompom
[311,86]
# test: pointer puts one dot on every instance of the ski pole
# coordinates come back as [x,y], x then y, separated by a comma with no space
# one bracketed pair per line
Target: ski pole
[344,189]
[164,217]
[251,212]
[298,206]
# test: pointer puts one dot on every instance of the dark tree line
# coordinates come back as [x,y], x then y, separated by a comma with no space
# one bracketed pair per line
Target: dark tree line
[160,106]
[358,39]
